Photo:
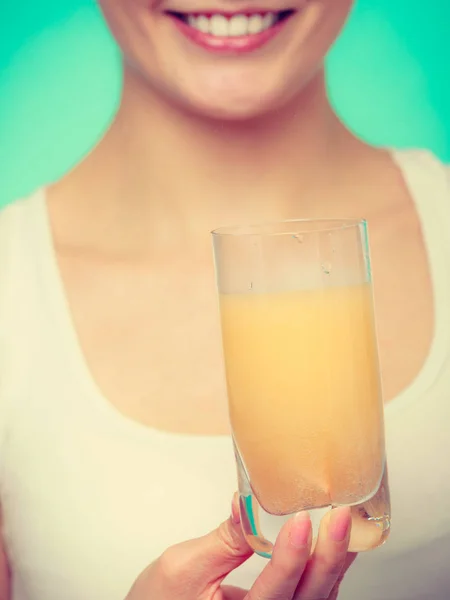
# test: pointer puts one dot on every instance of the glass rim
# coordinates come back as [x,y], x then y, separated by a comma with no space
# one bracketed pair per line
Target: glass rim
[289,227]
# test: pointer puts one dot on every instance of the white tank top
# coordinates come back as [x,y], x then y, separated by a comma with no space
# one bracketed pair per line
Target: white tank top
[90,497]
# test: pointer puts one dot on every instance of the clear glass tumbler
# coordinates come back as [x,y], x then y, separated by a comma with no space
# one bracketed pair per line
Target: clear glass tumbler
[303,376]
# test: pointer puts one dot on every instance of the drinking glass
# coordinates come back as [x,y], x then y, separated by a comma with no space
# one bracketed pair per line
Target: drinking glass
[303,376]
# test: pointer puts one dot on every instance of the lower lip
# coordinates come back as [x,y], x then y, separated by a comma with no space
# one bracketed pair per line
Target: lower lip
[235,45]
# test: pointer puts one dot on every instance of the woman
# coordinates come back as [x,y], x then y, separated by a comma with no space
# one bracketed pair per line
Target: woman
[114,434]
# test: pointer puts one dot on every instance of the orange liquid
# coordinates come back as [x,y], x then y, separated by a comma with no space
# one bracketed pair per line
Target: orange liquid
[304,396]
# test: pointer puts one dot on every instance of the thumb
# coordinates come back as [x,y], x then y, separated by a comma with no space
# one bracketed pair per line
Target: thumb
[225,548]
[207,560]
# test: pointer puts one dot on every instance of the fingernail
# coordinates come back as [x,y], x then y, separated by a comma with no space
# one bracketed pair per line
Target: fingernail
[340,522]
[235,516]
[300,533]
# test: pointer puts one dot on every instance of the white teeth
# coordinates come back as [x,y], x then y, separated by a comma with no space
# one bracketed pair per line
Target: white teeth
[269,20]
[255,24]
[238,25]
[202,24]
[218,25]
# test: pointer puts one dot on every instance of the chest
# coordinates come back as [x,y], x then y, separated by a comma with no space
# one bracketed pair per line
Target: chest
[151,337]
[151,341]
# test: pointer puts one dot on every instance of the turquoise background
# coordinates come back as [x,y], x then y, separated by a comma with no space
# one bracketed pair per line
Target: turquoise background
[389,78]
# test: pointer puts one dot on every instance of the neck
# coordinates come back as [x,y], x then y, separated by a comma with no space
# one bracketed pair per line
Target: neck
[180,168]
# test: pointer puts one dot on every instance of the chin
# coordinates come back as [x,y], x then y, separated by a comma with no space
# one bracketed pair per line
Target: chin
[236,103]
[229,110]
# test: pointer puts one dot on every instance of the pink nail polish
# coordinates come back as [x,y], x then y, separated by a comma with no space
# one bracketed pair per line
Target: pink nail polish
[300,533]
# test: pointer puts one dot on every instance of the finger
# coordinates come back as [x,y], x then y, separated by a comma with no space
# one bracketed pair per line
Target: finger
[195,565]
[348,563]
[328,560]
[226,547]
[230,592]
[281,575]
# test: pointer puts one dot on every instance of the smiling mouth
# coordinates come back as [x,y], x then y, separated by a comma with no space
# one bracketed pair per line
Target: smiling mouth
[232,26]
